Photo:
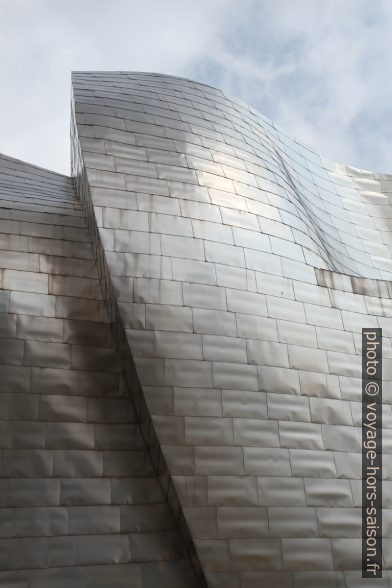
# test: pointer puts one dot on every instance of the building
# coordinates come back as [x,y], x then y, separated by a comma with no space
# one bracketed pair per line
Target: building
[181,349]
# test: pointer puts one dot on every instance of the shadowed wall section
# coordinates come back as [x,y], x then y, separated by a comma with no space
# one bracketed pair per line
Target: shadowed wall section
[80,502]
[239,268]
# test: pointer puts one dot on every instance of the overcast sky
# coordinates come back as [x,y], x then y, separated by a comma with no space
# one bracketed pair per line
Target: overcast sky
[320,68]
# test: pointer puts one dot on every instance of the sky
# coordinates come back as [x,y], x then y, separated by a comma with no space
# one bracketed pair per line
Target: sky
[322,70]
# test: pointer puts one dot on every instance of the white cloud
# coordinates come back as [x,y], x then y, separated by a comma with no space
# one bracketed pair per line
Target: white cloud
[320,70]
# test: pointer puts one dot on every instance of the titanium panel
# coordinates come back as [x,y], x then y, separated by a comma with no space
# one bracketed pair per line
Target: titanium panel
[261,262]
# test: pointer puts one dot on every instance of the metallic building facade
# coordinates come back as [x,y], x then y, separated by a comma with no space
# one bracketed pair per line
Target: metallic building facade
[80,503]
[181,349]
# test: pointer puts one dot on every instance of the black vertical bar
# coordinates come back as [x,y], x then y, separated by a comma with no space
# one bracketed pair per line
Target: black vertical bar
[371,453]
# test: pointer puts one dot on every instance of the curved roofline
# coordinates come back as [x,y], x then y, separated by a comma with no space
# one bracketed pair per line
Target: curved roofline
[276,126]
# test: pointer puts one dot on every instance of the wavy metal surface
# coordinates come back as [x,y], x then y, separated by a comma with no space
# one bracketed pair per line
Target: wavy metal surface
[243,266]
[237,268]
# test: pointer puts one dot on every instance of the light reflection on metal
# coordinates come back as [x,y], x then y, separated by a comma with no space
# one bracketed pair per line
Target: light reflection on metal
[244,266]
[237,268]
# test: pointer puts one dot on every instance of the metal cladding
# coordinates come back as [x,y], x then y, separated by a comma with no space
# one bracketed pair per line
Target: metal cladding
[80,504]
[214,435]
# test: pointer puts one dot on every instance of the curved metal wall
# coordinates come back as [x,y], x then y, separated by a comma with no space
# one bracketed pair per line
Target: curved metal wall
[244,266]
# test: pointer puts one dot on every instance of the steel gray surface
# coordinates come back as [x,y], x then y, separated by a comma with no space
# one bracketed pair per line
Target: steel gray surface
[214,429]
[243,266]
[80,502]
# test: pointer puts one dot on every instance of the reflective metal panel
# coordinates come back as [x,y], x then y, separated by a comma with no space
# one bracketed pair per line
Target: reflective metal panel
[184,336]
[275,258]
